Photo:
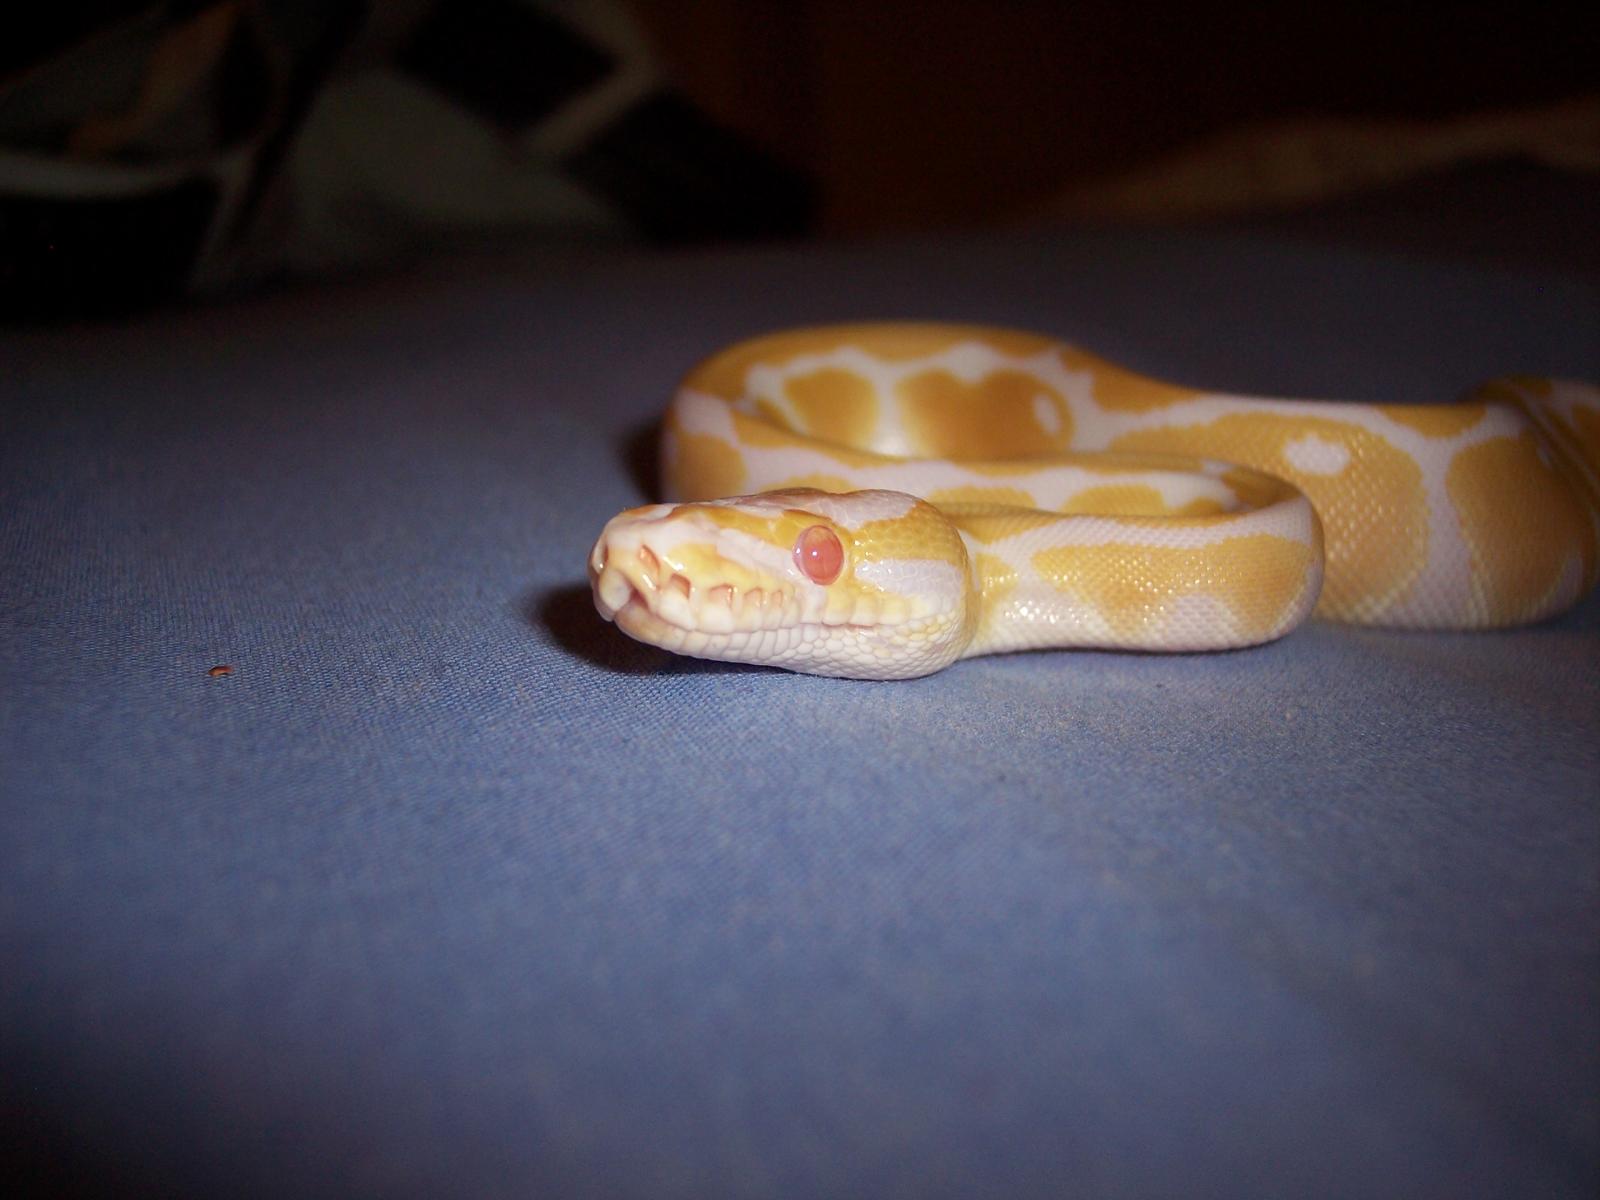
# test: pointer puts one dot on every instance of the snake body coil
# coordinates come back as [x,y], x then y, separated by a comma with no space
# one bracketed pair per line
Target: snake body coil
[910,494]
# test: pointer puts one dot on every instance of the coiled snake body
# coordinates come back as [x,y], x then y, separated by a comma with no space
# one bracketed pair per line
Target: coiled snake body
[912,494]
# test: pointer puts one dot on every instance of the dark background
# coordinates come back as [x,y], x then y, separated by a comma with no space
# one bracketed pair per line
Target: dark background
[300,138]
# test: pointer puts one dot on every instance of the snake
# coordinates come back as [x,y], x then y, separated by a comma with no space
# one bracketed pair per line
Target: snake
[880,500]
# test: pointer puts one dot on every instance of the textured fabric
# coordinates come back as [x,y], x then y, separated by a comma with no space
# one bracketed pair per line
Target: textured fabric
[447,889]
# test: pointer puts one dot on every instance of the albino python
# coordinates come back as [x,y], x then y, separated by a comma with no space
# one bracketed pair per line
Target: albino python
[934,492]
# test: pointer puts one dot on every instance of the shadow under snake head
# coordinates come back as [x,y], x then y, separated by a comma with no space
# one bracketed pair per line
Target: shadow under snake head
[868,585]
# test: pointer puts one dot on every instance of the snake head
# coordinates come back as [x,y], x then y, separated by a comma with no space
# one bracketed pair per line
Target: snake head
[869,585]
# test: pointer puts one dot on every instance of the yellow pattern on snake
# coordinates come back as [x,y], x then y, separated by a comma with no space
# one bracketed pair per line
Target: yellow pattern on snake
[907,495]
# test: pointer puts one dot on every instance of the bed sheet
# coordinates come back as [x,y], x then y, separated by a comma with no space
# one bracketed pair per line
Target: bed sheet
[449,889]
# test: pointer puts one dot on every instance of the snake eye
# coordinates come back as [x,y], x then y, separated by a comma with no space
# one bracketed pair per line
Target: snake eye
[818,553]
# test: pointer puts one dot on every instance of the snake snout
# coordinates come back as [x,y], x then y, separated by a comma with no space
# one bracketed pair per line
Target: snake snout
[640,579]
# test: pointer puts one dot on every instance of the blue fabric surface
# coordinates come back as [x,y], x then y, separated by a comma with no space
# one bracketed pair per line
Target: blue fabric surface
[450,890]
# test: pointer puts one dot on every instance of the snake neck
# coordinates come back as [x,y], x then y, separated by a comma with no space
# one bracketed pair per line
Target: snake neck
[1044,581]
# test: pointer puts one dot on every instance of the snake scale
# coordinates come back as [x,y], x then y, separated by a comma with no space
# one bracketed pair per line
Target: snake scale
[906,495]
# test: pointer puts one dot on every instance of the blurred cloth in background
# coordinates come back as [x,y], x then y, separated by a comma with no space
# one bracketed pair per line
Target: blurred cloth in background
[179,146]
[152,149]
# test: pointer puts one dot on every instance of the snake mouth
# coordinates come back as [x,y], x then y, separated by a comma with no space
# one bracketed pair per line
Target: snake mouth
[636,619]
[634,588]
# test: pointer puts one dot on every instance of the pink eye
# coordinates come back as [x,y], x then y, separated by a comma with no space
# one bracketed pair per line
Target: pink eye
[818,553]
